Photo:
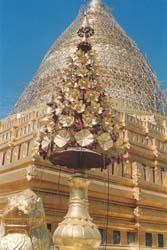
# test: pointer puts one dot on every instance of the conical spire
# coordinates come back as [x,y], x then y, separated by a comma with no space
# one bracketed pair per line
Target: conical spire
[126,72]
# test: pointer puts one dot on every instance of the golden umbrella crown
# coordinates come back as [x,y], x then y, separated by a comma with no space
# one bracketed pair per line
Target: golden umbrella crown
[80,117]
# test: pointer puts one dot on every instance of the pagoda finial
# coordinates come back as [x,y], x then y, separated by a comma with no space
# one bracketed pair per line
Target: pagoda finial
[95,2]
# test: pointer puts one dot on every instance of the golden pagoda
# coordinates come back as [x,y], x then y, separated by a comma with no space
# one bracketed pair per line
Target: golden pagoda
[128,199]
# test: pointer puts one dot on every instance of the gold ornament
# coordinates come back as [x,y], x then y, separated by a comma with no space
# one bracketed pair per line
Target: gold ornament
[72,94]
[119,142]
[82,71]
[92,95]
[83,61]
[100,87]
[107,123]
[80,54]
[45,142]
[107,103]
[84,83]
[83,105]
[67,72]
[84,137]
[79,107]
[62,138]
[105,141]
[89,119]
[66,120]
[109,129]
[96,108]
[60,108]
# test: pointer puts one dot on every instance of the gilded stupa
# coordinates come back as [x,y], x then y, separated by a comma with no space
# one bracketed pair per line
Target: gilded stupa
[128,200]
[127,74]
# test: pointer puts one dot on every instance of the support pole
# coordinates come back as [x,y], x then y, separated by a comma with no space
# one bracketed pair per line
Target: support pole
[77,231]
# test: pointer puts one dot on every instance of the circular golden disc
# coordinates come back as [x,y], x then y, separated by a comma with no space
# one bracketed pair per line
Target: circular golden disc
[62,138]
[105,141]
[84,137]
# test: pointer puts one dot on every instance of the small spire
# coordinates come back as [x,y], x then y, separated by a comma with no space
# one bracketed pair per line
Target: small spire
[95,2]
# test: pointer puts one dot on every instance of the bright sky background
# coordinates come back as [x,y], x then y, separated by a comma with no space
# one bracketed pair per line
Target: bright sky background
[29,27]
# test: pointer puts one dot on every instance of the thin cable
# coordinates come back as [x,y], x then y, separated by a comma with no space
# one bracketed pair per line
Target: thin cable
[106,202]
[108,206]
[57,194]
